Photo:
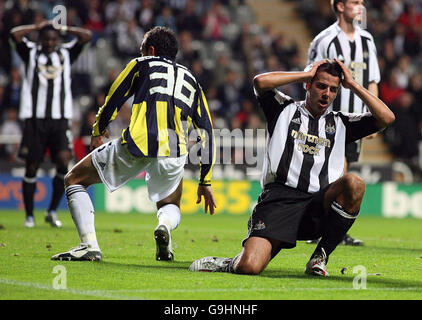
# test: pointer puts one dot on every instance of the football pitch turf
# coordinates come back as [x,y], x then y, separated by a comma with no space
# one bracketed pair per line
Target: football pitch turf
[391,259]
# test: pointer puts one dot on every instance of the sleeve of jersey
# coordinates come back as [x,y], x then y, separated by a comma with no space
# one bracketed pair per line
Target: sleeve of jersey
[374,72]
[272,102]
[203,124]
[359,125]
[316,51]
[119,92]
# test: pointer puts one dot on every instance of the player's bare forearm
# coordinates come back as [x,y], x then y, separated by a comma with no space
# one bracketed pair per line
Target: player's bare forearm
[19,32]
[378,109]
[373,88]
[84,35]
[271,80]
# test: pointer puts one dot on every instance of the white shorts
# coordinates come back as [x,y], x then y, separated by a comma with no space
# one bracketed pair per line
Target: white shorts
[116,166]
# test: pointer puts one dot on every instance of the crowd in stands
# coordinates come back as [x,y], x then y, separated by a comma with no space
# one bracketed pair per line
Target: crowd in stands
[219,42]
[396,26]
[223,46]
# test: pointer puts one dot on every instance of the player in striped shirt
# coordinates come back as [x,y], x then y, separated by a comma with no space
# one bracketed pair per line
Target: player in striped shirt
[46,106]
[348,41]
[167,102]
[306,194]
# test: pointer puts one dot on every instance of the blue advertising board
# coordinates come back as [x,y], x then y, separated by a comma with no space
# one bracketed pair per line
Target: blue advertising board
[11,193]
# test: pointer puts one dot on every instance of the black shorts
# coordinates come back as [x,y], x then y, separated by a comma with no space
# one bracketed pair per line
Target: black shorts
[353,151]
[40,134]
[287,215]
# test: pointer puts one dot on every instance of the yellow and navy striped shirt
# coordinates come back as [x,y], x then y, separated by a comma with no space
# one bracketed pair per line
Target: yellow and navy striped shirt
[167,100]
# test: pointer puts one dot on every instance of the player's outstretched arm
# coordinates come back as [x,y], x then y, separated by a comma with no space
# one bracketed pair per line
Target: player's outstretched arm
[271,80]
[378,109]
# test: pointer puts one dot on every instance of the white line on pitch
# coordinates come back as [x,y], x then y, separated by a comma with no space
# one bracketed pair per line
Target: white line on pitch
[94,293]
[167,290]
[111,294]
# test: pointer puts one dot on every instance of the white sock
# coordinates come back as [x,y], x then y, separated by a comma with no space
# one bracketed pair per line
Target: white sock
[169,215]
[82,212]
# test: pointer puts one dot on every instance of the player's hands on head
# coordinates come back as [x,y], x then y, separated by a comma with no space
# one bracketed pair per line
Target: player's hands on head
[43,24]
[312,68]
[209,201]
[347,80]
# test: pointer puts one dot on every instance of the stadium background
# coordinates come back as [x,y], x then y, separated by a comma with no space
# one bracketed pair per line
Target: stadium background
[225,43]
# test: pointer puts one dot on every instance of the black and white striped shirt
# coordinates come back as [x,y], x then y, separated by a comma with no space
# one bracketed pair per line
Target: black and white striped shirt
[359,55]
[303,152]
[46,86]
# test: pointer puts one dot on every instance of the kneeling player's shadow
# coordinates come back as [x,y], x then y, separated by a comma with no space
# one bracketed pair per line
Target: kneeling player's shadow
[170,265]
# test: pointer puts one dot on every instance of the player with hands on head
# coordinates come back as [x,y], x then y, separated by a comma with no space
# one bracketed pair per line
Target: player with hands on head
[348,41]
[306,194]
[46,106]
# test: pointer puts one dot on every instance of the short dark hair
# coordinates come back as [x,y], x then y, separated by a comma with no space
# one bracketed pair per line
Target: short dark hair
[334,5]
[163,40]
[47,28]
[331,67]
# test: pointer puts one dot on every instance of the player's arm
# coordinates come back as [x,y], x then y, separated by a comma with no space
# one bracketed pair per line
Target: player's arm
[119,92]
[203,124]
[19,32]
[373,88]
[379,110]
[84,35]
[75,47]
[20,43]
[271,80]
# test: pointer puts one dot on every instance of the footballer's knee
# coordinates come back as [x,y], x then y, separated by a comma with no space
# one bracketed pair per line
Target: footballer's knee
[83,173]
[250,264]
[31,169]
[70,179]
[353,191]
[255,256]
[174,198]
[354,187]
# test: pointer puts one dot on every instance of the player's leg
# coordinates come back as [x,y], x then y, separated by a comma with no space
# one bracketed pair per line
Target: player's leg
[82,175]
[168,216]
[255,256]
[257,252]
[59,141]
[29,183]
[271,218]
[32,149]
[62,160]
[352,155]
[113,165]
[341,206]
[165,182]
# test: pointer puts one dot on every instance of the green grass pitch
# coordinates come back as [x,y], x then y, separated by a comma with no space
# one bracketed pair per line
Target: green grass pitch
[391,257]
